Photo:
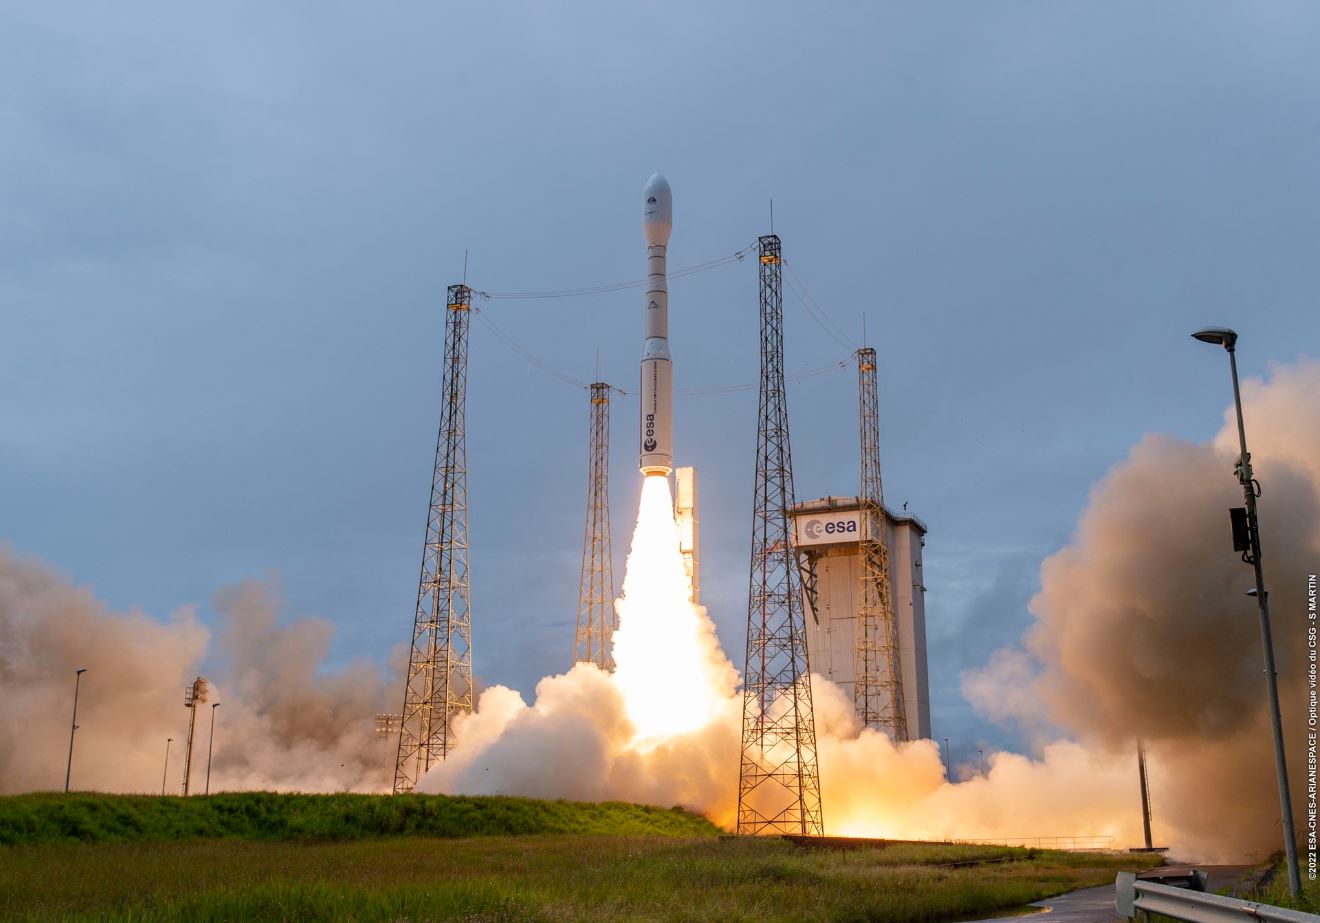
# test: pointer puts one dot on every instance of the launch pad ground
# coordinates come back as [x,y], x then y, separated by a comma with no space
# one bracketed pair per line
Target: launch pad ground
[696,875]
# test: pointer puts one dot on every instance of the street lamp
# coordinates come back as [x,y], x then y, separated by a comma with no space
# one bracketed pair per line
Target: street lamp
[981,753]
[77,682]
[210,745]
[165,774]
[948,761]
[1249,545]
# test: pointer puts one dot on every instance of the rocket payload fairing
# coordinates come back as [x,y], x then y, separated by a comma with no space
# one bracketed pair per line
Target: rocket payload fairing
[657,420]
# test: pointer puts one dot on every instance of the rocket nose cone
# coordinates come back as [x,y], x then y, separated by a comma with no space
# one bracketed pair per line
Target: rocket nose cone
[656,185]
[657,208]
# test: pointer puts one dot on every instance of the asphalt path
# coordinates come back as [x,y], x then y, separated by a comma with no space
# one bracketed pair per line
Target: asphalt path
[1096,905]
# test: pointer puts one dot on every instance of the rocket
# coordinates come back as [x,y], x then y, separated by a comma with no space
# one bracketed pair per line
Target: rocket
[657,419]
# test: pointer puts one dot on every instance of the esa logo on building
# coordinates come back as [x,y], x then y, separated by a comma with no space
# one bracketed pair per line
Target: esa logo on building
[814,528]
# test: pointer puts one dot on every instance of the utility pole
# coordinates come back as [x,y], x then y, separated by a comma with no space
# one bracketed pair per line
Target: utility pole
[1145,792]
[778,781]
[596,621]
[439,685]
[77,682]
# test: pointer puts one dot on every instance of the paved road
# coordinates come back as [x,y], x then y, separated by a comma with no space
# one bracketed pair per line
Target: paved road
[1096,905]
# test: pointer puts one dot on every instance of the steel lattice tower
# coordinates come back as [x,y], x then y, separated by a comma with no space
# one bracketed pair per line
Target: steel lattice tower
[440,666]
[596,620]
[778,784]
[878,683]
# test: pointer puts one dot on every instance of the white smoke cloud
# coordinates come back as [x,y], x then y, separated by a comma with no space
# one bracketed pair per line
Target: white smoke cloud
[284,721]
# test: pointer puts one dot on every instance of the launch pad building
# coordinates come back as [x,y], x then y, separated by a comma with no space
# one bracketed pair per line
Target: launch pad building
[827,530]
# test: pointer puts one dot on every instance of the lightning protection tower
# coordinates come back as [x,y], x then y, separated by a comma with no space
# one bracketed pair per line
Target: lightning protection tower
[878,688]
[596,620]
[439,683]
[778,784]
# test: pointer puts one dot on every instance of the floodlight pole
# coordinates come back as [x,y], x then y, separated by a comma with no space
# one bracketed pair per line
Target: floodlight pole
[210,745]
[164,775]
[1250,487]
[77,683]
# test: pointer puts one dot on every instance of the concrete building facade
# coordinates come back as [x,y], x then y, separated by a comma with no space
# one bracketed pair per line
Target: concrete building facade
[827,529]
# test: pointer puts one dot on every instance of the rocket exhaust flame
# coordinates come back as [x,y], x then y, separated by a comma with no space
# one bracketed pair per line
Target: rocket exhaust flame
[668,665]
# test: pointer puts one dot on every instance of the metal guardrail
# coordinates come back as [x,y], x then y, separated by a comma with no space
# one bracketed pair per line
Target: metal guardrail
[1133,897]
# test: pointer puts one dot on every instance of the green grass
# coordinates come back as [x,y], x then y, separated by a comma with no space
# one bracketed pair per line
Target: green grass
[362,858]
[1275,891]
[535,878]
[264,816]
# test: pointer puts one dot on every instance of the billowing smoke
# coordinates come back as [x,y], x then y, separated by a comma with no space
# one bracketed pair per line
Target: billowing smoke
[284,722]
[1142,630]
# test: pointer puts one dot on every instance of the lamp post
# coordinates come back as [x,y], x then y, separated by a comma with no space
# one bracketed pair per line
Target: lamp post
[1249,545]
[981,753]
[164,775]
[948,761]
[77,683]
[210,745]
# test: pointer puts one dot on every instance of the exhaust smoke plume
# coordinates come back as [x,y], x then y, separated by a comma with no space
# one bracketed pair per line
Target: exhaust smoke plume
[284,723]
[1144,629]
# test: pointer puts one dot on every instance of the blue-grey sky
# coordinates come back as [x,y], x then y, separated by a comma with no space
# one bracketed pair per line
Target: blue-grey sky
[225,235]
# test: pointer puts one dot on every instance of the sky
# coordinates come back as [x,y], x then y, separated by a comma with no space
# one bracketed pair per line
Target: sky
[226,234]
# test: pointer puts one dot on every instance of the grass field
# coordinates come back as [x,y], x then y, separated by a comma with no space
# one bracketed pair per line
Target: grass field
[265,816]
[1276,890]
[594,876]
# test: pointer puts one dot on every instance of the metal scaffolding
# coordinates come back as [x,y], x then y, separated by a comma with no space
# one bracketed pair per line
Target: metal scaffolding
[194,694]
[878,674]
[439,683]
[778,783]
[596,620]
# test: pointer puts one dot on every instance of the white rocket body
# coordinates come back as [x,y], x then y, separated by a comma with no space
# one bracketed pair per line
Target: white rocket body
[657,420]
